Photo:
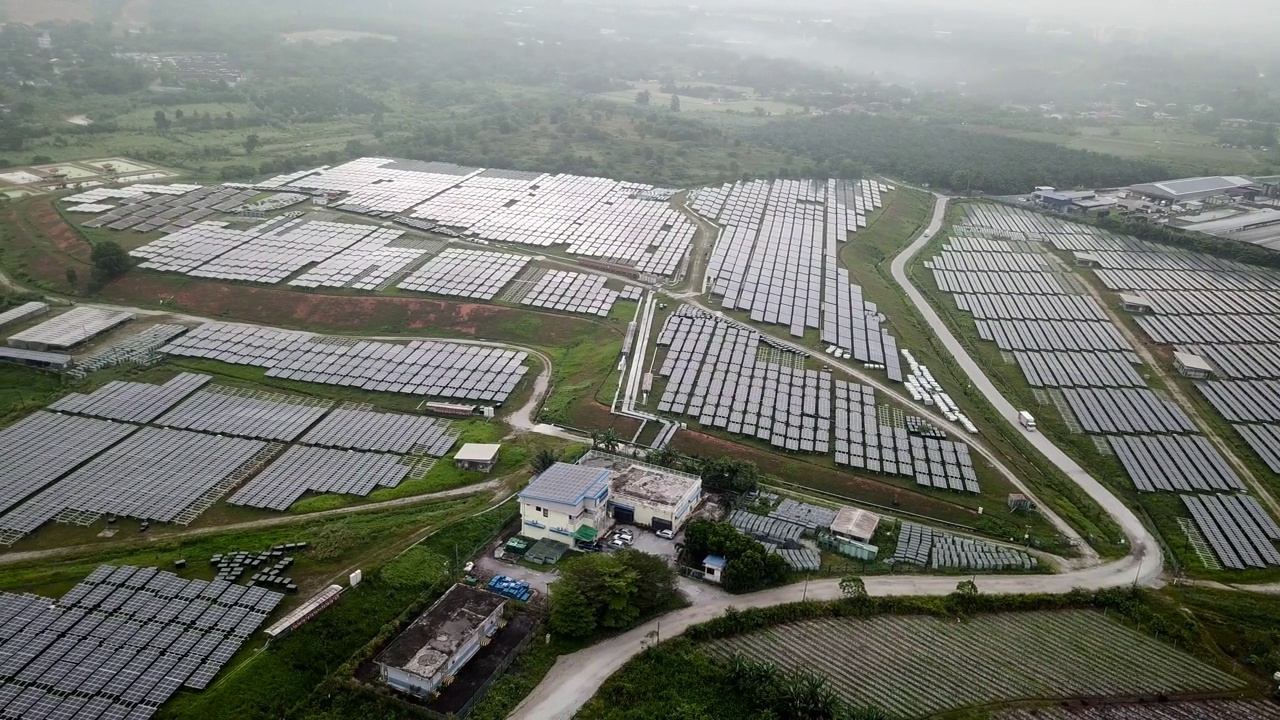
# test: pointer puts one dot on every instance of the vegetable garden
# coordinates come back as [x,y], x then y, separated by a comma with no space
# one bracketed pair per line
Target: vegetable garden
[914,666]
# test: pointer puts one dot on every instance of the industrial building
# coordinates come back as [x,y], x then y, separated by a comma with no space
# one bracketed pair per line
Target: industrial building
[68,329]
[23,312]
[654,497]
[1196,188]
[430,651]
[577,502]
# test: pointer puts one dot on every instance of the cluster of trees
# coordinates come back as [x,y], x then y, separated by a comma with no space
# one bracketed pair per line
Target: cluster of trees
[607,592]
[723,474]
[791,694]
[944,156]
[748,567]
[109,260]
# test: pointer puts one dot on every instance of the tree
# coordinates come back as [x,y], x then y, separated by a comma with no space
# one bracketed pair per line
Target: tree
[726,474]
[178,114]
[966,589]
[162,121]
[852,587]
[675,103]
[643,97]
[606,439]
[72,276]
[598,592]
[571,613]
[543,459]
[252,142]
[110,261]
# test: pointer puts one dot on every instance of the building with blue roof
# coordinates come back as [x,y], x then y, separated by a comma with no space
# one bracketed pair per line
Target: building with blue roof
[713,568]
[566,503]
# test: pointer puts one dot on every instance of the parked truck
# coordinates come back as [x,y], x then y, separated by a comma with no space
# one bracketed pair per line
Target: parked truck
[1028,421]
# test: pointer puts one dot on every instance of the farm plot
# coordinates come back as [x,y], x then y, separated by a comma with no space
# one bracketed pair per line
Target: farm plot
[1194,710]
[881,662]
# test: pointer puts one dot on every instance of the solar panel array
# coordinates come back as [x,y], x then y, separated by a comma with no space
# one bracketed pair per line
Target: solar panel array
[429,368]
[154,474]
[922,545]
[728,377]
[569,292]
[715,375]
[1174,462]
[1073,369]
[274,256]
[778,259]
[1220,310]
[311,469]
[131,401]
[804,514]
[264,416]
[69,329]
[864,439]
[373,263]
[1126,411]
[356,429]
[139,348]
[167,208]
[765,527]
[461,272]
[628,223]
[1265,440]
[43,447]
[120,643]
[1238,529]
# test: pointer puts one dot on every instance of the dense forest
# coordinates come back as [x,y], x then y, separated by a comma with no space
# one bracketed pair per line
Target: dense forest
[948,157]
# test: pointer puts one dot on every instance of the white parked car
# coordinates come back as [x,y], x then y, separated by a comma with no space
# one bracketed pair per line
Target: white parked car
[666,534]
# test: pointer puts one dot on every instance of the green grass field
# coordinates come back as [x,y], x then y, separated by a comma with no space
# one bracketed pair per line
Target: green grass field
[1183,152]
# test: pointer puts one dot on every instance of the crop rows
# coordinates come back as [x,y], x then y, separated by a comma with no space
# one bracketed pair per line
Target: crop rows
[1190,710]
[915,666]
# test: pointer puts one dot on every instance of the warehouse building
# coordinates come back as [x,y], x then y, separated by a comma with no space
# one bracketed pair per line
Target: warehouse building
[654,497]
[430,652]
[1197,188]
[22,313]
[69,329]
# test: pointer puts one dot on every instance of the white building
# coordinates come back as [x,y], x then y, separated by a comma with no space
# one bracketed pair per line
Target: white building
[565,503]
[654,497]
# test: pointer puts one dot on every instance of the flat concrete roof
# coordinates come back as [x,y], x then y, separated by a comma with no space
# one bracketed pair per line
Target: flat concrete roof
[478,452]
[426,645]
[1192,362]
[653,486]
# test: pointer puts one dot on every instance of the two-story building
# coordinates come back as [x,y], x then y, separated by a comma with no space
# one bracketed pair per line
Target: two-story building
[566,503]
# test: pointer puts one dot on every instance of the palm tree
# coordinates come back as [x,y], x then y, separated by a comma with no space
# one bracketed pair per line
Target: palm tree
[543,459]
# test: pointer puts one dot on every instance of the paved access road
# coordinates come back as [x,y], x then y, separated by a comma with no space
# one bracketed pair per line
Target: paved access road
[575,678]
[1143,543]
